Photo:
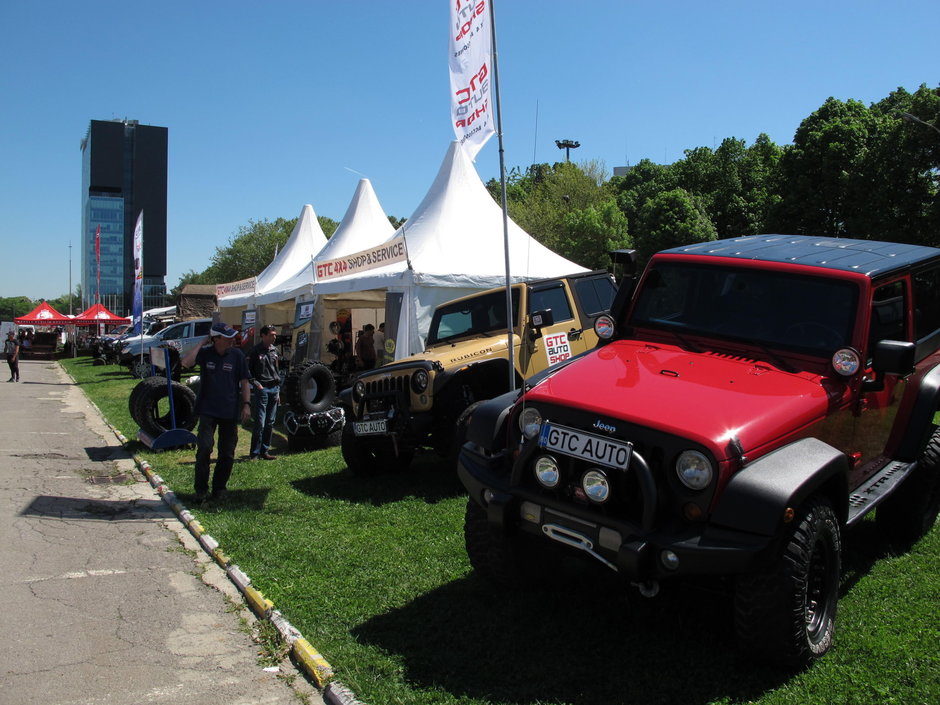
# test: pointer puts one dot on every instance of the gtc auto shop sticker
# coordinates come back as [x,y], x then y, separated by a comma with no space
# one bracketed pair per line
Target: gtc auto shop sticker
[557,348]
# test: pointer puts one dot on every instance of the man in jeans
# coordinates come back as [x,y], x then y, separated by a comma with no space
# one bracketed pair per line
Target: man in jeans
[223,401]
[266,380]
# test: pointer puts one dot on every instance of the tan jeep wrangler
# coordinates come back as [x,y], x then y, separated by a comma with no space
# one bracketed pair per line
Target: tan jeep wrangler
[421,400]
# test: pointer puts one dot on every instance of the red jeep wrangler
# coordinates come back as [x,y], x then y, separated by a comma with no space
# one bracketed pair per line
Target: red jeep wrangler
[750,400]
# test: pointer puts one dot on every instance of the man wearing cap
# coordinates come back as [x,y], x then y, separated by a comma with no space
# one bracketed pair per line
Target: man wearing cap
[224,401]
[11,347]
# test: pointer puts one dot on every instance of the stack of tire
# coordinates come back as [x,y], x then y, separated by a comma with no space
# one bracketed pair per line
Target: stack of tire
[149,405]
[308,391]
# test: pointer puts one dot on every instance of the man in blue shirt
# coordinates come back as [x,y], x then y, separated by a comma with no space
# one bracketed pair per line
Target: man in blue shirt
[224,401]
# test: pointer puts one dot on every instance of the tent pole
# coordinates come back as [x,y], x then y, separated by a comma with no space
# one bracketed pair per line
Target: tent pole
[502,185]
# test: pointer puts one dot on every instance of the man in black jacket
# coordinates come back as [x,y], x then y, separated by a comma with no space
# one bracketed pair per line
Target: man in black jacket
[266,380]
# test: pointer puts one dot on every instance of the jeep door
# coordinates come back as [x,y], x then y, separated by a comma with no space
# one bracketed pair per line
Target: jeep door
[876,410]
[555,343]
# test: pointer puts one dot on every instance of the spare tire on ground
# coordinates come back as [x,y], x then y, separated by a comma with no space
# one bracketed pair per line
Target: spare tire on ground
[142,386]
[309,387]
[152,410]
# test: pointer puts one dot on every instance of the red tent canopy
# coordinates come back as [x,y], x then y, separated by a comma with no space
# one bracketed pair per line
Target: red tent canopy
[97,314]
[43,315]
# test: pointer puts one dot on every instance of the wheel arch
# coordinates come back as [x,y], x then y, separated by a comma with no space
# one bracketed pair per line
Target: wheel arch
[489,420]
[757,497]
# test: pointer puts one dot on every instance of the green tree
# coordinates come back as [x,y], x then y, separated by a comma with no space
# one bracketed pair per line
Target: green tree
[824,175]
[13,306]
[588,234]
[670,219]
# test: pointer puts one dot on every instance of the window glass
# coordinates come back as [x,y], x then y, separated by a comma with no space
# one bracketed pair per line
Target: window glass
[202,329]
[926,302]
[595,294]
[553,298]
[887,314]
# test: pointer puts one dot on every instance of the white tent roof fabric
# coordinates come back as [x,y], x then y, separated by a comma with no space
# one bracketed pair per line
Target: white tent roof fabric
[365,225]
[454,238]
[277,281]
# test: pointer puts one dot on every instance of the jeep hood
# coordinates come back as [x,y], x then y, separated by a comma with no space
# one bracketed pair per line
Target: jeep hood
[464,351]
[707,397]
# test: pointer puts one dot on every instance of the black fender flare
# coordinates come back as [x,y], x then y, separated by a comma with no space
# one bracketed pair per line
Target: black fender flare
[920,423]
[489,419]
[755,499]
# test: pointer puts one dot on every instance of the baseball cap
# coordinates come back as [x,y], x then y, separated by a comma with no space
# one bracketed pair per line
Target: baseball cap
[223,330]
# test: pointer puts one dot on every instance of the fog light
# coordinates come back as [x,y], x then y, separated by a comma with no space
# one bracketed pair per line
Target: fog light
[596,486]
[546,471]
[669,560]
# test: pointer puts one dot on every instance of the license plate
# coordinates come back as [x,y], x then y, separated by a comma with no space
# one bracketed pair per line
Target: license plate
[585,446]
[370,428]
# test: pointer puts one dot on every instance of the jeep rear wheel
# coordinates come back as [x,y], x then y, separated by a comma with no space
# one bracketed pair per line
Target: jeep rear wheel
[787,614]
[911,511]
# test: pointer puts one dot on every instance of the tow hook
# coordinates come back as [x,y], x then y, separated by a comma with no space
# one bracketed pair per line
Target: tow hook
[648,588]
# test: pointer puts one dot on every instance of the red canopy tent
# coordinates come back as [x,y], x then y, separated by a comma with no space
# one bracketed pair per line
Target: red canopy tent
[43,315]
[97,314]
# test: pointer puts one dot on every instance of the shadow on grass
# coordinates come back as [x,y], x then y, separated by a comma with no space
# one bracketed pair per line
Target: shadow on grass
[582,646]
[428,478]
[862,547]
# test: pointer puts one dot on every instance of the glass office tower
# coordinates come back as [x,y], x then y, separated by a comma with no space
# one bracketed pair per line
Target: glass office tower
[124,168]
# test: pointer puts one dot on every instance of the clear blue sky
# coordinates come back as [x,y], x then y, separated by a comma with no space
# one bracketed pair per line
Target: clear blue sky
[271,105]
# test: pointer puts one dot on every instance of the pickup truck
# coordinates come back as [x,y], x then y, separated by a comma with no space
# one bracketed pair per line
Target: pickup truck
[421,400]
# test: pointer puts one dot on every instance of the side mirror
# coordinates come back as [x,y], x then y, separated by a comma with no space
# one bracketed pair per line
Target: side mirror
[541,319]
[890,357]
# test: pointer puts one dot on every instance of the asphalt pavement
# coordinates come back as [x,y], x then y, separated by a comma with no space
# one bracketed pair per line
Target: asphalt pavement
[107,598]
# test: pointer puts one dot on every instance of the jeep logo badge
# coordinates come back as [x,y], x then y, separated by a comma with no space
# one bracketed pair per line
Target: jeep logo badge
[601,426]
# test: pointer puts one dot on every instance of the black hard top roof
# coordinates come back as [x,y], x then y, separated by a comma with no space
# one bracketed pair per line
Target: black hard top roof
[869,257]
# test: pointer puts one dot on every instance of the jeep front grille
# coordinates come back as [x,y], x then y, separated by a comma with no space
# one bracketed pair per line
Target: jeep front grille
[379,393]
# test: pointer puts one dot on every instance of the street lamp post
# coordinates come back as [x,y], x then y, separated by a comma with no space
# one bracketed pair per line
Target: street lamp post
[914,118]
[567,145]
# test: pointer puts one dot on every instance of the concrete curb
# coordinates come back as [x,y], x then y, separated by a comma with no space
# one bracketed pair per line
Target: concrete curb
[308,659]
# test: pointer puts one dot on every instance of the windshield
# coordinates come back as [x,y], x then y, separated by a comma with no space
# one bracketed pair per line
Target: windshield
[770,308]
[478,315]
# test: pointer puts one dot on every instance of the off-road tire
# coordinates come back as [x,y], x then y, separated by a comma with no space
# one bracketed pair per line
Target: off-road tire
[786,615]
[369,456]
[912,510]
[141,388]
[309,387]
[504,560]
[147,408]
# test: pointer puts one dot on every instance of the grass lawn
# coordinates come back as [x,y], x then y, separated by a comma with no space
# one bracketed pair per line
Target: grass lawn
[374,573]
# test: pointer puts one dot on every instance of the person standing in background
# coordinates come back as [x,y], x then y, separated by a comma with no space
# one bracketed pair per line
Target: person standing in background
[379,340]
[12,349]
[266,380]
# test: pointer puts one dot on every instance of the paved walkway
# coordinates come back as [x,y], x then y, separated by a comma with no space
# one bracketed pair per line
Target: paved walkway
[107,598]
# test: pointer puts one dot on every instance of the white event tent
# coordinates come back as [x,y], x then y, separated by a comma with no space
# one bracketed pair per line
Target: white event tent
[453,246]
[283,279]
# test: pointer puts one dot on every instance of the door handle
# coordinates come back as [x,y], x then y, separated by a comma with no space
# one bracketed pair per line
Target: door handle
[574,334]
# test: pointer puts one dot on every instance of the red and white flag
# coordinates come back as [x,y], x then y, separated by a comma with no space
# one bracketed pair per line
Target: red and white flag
[97,263]
[471,73]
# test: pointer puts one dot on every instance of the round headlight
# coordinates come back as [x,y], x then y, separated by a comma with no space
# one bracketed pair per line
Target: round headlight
[530,421]
[596,486]
[419,381]
[604,327]
[694,470]
[846,362]
[546,471]
[359,390]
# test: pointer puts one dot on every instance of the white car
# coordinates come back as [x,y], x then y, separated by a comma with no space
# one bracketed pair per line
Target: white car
[181,337]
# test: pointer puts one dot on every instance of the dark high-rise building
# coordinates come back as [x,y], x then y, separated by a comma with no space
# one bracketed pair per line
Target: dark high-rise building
[123,173]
